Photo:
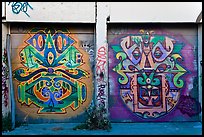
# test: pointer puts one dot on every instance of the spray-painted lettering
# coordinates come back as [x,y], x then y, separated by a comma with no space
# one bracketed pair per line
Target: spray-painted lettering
[101,60]
[100,75]
[18,7]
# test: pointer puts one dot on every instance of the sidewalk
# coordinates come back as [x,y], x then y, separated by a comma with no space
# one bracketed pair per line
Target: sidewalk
[170,128]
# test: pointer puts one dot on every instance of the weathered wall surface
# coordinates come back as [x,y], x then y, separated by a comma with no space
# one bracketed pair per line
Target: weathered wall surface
[154,11]
[153,71]
[50,11]
[108,66]
[86,11]
[3,9]
[52,72]
[200,65]
[101,68]
[5,74]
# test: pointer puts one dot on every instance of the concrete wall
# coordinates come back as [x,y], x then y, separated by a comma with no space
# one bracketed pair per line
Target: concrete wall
[101,69]
[3,9]
[5,82]
[154,11]
[51,11]
[86,11]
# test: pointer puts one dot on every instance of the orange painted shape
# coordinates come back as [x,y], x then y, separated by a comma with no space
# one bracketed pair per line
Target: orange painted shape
[39,95]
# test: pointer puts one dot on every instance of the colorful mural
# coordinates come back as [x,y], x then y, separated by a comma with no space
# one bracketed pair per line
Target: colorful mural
[147,71]
[54,72]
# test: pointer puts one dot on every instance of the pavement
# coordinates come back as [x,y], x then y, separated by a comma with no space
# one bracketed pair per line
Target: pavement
[165,128]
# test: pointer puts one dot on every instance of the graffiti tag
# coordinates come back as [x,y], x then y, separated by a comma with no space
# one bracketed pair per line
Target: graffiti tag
[188,105]
[5,91]
[18,7]
[100,73]
[101,94]
[101,61]
[88,47]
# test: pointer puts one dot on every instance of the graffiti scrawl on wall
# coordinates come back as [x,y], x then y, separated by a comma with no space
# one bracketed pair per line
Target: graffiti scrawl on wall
[5,72]
[18,7]
[88,46]
[101,73]
[51,75]
[149,72]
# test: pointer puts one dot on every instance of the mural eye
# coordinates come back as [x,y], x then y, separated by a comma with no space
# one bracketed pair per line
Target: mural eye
[78,58]
[40,41]
[158,53]
[162,67]
[59,42]
[50,57]
[148,80]
[136,53]
[131,67]
[78,61]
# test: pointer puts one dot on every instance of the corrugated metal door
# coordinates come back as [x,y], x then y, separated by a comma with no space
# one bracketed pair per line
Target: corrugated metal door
[153,72]
[52,71]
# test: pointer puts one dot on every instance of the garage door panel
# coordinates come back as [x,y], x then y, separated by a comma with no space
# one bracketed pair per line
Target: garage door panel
[154,70]
[52,72]
[24,28]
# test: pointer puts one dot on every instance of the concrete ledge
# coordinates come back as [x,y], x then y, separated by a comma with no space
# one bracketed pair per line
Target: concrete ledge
[170,128]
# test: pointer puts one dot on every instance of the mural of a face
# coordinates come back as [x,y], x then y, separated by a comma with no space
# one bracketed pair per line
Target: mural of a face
[149,73]
[51,76]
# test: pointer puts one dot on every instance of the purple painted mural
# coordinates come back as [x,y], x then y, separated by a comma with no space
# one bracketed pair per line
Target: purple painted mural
[153,75]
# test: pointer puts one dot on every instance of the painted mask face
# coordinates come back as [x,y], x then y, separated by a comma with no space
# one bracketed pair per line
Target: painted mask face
[51,74]
[149,73]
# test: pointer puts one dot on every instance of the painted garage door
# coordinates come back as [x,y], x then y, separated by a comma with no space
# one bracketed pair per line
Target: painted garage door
[153,72]
[52,71]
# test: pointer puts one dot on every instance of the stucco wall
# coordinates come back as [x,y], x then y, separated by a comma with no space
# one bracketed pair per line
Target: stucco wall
[86,11]
[154,11]
[50,11]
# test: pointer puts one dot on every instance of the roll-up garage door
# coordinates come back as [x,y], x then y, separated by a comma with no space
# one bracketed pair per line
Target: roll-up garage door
[153,71]
[52,71]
